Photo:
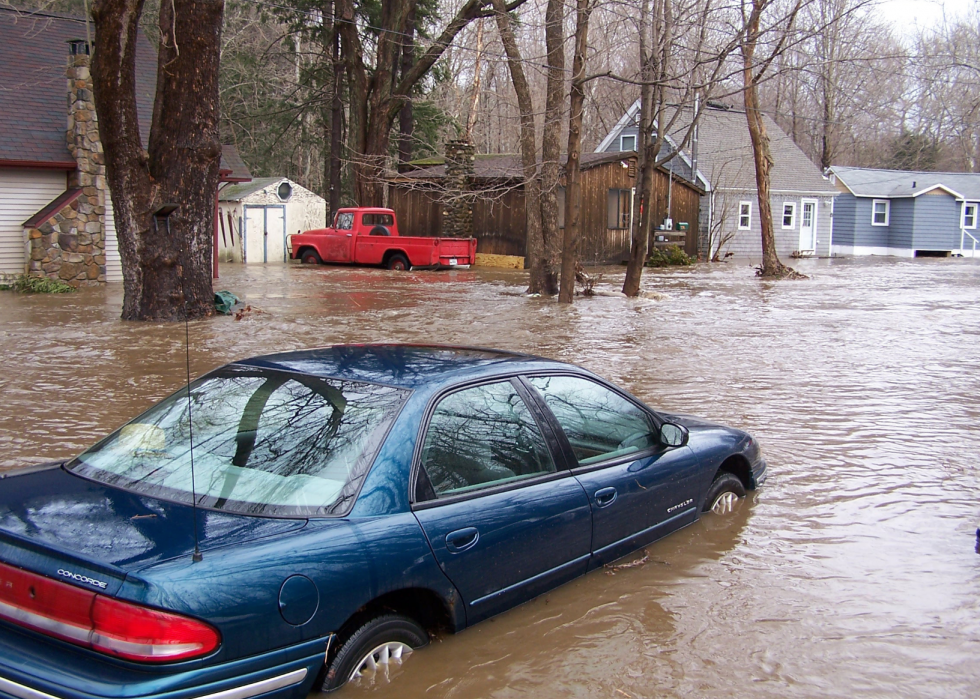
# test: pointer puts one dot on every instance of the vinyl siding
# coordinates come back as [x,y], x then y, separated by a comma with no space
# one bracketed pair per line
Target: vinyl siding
[747,244]
[22,193]
[864,234]
[113,263]
[901,223]
[845,223]
[937,223]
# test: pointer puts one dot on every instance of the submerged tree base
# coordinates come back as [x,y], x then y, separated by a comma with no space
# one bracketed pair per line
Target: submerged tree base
[780,272]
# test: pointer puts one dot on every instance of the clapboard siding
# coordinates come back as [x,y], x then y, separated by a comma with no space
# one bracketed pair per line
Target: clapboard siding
[113,263]
[23,192]
[937,222]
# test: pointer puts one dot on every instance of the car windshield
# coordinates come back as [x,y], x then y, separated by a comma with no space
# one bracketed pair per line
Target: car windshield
[265,442]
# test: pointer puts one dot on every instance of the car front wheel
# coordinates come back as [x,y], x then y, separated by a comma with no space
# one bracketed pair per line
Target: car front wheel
[311,257]
[369,654]
[724,492]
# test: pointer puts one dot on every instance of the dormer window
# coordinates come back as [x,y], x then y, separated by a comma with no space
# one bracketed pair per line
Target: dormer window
[627,143]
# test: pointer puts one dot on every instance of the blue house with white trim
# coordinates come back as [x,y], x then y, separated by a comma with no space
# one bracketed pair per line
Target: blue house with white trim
[905,213]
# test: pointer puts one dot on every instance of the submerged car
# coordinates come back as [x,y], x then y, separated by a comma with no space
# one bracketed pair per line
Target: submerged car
[294,521]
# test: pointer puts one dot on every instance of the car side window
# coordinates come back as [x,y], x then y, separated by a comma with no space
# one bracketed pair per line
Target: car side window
[483,436]
[345,221]
[599,423]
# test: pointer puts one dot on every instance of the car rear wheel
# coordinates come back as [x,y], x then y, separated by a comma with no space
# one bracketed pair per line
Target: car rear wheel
[311,257]
[373,650]
[398,262]
[724,493]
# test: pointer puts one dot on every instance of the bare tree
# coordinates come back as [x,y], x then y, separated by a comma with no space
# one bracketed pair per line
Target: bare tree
[166,263]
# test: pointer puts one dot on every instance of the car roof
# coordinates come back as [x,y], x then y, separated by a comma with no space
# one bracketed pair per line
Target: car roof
[403,365]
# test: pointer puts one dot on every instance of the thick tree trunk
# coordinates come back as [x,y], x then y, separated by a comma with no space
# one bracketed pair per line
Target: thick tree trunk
[573,197]
[544,269]
[529,154]
[406,117]
[166,264]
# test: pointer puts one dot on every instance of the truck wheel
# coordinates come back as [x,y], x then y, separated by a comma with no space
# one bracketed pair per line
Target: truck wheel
[379,230]
[311,257]
[398,262]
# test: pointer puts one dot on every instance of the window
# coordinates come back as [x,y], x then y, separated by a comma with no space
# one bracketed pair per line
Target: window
[744,215]
[599,423]
[265,443]
[789,215]
[619,208]
[483,436]
[969,215]
[378,219]
[345,220]
[880,209]
[627,143]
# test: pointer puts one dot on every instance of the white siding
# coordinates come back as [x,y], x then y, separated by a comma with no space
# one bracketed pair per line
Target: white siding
[113,263]
[747,244]
[23,192]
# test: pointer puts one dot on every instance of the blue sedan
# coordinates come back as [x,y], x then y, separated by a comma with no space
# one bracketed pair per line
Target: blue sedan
[296,521]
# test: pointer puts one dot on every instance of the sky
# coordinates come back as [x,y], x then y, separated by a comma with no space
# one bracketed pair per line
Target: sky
[907,14]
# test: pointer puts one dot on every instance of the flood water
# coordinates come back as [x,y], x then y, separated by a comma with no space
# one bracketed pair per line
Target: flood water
[852,573]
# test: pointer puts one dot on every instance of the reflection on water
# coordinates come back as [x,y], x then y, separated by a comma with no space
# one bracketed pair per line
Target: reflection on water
[851,573]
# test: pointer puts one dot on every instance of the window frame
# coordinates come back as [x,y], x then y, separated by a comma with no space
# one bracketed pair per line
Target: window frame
[874,213]
[976,210]
[623,194]
[792,216]
[566,446]
[552,442]
[748,215]
[622,145]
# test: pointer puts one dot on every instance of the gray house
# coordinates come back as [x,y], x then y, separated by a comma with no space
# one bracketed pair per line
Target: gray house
[904,213]
[801,198]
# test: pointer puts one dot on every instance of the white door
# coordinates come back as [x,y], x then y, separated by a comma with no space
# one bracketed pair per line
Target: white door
[265,234]
[808,225]
[275,229]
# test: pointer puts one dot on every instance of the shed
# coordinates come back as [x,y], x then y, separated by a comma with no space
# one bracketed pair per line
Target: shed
[607,179]
[255,218]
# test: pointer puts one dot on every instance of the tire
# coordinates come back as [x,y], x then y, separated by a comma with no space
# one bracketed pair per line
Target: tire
[367,653]
[398,262]
[379,230]
[310,257]
[724,491]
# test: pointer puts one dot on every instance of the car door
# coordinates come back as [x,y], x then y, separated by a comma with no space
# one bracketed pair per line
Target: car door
[504,521]
[640,490]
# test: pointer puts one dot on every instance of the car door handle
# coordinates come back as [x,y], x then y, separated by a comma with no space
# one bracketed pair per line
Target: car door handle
[462,539]
[605,496]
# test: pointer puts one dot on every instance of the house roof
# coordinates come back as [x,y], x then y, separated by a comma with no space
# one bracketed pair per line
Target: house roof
[889,184]
[233,168]
[507,166]
[725,156]
[33,86]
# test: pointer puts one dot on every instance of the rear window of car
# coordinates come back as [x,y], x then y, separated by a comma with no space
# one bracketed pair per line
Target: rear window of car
[378,220]
[264,443]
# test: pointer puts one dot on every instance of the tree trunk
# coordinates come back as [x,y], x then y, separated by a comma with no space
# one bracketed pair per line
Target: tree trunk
[529,153]
[406,118]
[166,262]
[336,117]
[477,77]
[639,249]
[544,270]
[573,197]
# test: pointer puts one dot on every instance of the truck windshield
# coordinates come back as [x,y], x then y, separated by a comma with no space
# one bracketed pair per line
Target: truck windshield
[265,442]
[345,221]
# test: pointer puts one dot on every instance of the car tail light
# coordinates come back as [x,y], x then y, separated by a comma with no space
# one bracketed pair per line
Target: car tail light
[101,623]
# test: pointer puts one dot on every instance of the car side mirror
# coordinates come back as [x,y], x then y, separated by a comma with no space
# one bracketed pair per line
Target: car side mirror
[673,435]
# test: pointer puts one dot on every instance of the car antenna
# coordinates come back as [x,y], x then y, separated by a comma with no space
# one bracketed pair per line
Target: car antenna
[163,212]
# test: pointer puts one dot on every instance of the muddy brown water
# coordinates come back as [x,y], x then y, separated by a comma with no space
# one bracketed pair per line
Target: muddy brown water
[851,573]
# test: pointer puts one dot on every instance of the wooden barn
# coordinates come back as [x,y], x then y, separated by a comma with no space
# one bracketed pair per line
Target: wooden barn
[608,180]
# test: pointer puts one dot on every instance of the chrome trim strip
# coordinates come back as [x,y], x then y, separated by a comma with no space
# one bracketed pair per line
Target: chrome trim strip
[532,579]
[667,521]
[243,692]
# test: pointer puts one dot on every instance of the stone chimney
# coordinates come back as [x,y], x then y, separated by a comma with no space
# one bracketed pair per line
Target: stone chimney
[457,215]
[70,243]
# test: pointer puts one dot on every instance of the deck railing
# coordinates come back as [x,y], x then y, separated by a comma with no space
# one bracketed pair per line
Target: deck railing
[963,237]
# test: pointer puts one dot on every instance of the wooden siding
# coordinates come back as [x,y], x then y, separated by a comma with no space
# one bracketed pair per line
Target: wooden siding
[23,192]
[499,214]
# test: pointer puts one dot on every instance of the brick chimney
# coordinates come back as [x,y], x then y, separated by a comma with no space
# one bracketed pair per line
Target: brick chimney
[70,243]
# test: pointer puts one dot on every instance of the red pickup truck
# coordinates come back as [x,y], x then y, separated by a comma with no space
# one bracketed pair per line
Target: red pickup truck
[369,236]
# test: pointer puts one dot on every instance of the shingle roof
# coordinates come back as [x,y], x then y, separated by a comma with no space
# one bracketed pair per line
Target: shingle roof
[725,152]
[867,182]
[237,192]
[33,86]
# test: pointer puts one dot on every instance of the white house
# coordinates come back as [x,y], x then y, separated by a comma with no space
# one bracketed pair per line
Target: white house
[255,218]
